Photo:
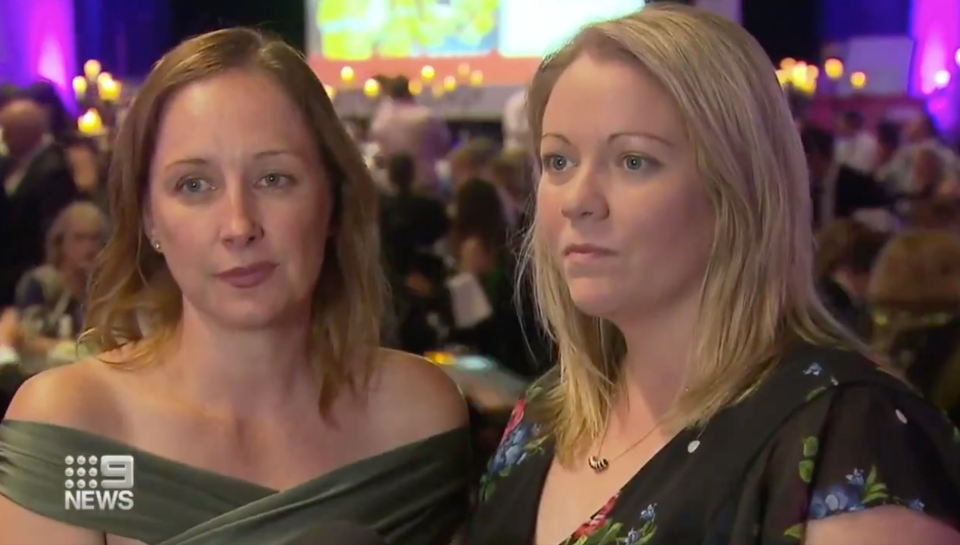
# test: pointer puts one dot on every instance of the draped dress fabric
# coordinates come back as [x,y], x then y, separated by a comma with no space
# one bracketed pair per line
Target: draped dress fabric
[416,494]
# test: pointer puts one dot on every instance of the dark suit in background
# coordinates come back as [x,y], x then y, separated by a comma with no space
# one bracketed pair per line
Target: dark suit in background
[857,191]
[45,189]
[12,376]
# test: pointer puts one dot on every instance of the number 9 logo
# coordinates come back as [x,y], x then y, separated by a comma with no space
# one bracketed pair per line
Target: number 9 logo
[116,471]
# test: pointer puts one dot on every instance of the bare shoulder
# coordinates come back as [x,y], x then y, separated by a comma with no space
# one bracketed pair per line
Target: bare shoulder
[72,396]
[404,379]
[414,398]
[80,395]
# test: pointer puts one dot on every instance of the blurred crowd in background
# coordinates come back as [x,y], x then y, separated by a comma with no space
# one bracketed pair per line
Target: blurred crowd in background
[453,215]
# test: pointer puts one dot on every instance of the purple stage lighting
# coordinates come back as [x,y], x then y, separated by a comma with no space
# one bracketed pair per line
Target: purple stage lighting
[935,29]
[37,41]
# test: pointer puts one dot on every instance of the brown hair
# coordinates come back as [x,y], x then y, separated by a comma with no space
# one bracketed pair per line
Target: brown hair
[131,283]
[510,171]
[758,292]
[915,289]
[474,154]
[847,242]
[941,213]
[916,270]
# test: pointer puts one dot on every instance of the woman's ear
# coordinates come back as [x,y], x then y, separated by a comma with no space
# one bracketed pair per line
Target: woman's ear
[148,224]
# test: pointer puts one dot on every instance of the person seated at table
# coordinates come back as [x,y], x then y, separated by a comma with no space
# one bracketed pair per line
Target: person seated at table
[51,297]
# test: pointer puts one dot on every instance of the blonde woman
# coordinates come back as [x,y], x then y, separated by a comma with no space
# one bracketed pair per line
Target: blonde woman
[703,394]
[241,395]
[51,297]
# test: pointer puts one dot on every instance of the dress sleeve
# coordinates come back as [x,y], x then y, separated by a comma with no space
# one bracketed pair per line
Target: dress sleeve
[856,448]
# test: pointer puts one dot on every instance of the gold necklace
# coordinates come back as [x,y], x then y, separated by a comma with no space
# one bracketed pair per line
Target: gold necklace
[599,463]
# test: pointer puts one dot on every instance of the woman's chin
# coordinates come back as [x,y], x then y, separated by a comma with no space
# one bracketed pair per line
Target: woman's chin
[249,315]
[599,301]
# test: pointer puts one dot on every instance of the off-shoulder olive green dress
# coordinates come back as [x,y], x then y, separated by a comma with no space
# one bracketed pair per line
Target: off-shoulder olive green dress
[413,495]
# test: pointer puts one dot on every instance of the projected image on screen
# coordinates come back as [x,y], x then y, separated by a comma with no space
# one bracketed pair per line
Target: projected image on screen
[505,37]
[353,30]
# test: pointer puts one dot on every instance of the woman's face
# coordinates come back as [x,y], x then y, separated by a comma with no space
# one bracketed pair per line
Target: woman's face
[239,200]
[82,241]
[620,203]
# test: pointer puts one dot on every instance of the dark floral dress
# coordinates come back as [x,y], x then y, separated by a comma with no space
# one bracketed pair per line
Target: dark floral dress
[850,438]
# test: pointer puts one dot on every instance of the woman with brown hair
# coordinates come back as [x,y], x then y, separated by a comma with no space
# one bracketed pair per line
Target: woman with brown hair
[239,388]
[703,394]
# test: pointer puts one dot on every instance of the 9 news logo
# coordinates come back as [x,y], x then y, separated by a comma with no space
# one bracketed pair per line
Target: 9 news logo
[99,484]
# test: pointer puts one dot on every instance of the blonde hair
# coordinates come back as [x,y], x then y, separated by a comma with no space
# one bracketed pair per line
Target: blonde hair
[131,282]
[77,211]
[754,171]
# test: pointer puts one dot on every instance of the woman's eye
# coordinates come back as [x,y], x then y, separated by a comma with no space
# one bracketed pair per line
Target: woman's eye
[556,162]
[193,185]
[275,180]
[634,162]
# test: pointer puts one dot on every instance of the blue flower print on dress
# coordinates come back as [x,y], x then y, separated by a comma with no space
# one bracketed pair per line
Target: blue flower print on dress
[915,505]
[815,370]
[644,533]
[520,439]
[856,478]
[649,513]
[512,449]
[840,498]
[603,530]
[860,490]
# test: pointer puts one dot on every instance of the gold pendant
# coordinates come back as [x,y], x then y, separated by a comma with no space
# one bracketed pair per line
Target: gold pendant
[598,464]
